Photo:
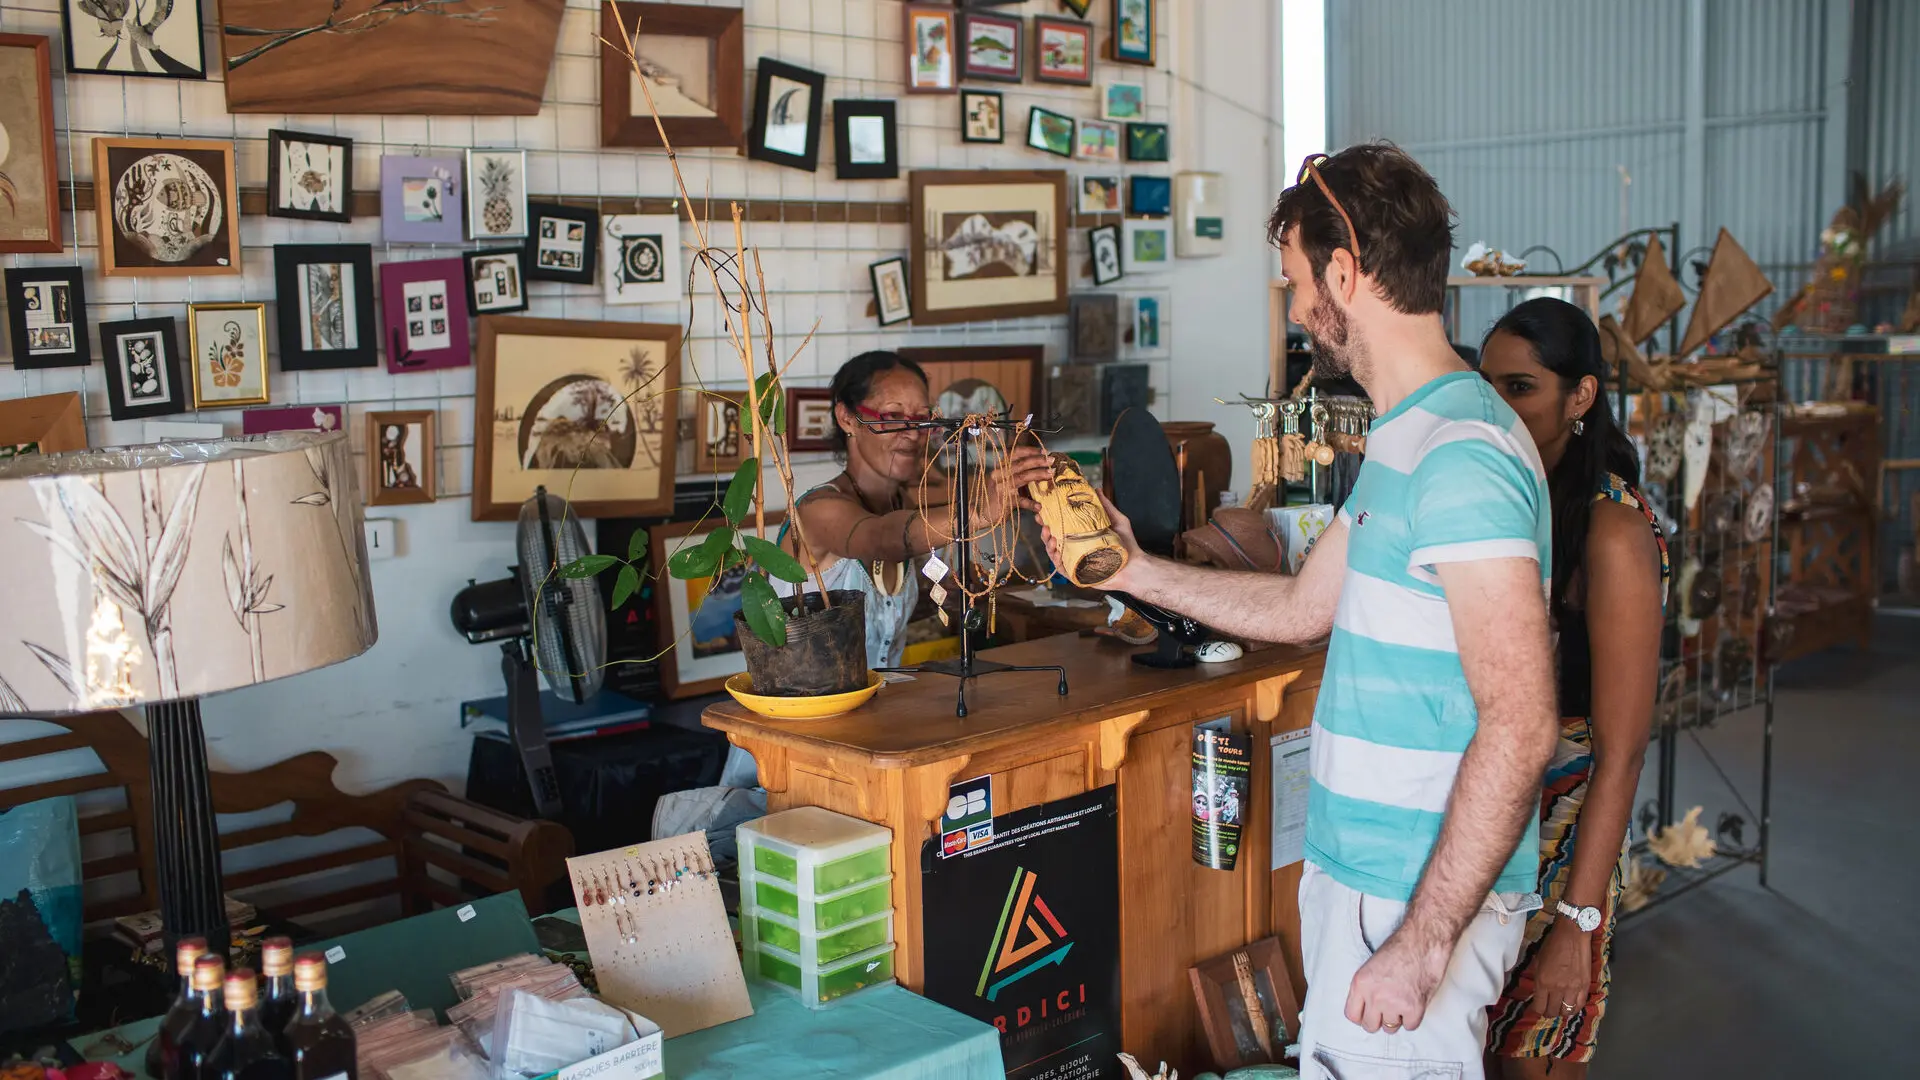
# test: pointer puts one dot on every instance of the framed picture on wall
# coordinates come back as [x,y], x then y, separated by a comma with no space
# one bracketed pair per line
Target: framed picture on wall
[866,143]
[1002,380]
[1133,32]
[1093,327]
[1099,195]
[1123,101]
[1062,51]
[1146,246]
[810,419]
[1149,196]
[697,613]
[309,176]
[425,306]
[643,259]
[982,117]
[719,443]
[1078,7]
[987,244]
[321,418]
[1050,131]
[167,207]
[29,178]
[496,282]
[890,295]
[1146,335]
[563,243]
[692,63]
[324,296]
[227,346]
[47,317]
[420,199]
[786,115]
[143,368]
[929,53]
[497,194]
[401,453]
[1103,247]
[1097,140]
[154,40]
[992,47]
[1147,142]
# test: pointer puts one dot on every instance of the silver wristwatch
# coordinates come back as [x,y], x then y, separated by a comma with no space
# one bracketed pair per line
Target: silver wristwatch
[1586,918]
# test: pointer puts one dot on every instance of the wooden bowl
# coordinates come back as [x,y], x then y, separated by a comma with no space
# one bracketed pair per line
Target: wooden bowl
[801,708]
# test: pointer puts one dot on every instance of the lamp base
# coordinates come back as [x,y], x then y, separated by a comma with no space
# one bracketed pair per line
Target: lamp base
[186,838]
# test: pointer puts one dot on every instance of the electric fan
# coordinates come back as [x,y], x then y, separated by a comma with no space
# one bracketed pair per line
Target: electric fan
[537,613]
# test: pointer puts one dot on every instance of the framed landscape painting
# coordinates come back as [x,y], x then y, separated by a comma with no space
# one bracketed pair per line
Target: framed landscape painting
[29,178]
[987,244]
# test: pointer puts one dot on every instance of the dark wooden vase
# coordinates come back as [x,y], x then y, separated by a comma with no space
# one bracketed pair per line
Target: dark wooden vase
[1206,468]
[825,653]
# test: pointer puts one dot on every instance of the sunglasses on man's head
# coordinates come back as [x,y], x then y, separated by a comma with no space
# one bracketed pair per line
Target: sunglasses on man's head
[1310,167]
[889,422]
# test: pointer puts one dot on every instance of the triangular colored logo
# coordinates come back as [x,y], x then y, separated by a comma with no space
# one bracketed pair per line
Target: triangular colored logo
[1027,926]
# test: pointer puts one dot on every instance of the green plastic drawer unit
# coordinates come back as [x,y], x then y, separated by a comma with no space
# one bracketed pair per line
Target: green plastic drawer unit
[822,986]
[826,912]
[818,949]
[816,850]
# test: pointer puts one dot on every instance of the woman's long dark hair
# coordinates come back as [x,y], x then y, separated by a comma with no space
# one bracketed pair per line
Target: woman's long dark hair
[1566,343]
[854,382]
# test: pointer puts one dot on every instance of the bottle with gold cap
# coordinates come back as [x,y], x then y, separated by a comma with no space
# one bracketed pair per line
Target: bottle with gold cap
[182,1011]
[319,1043]
[246,1051]
[276,988]
[193,1050]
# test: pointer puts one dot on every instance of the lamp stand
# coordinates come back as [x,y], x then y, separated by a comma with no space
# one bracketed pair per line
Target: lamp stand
[186,839]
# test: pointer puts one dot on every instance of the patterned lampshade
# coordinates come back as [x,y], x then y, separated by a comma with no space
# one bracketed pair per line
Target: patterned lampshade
[139,575]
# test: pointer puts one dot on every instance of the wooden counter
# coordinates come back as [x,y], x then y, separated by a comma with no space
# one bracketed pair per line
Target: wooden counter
[891,761]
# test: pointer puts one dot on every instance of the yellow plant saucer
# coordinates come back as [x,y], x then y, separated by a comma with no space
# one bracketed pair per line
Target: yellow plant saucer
[801,708]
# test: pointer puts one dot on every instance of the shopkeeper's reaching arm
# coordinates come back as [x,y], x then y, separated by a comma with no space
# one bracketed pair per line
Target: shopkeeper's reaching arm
[1245,604]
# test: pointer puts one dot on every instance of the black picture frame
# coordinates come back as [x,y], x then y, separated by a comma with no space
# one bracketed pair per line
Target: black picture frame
[1106,271]
[999,112]
[963,50]
[519,255]
[276,137]
[1149,196]
[845,111]
[296,356]
[879,297]
[808,159]
[159,64]
[18,279]
[1034,116]
[1078,7]
[1147,142]
[166,332]
[531,264]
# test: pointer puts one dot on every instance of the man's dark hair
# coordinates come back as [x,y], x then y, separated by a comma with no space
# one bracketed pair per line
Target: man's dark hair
[1404,222]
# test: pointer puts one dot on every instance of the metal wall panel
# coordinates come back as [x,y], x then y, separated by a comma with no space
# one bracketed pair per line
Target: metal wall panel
[1888,92]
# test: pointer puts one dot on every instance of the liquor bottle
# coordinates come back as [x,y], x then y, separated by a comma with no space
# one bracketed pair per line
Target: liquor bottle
[276,989]
[193,1050]
[246,1051]
[320,1043]
[181,1012]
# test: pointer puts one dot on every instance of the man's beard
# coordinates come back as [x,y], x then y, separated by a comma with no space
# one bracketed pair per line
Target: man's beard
[1333,352]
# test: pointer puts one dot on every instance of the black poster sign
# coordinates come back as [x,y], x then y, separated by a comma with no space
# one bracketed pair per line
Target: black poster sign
[1024,933]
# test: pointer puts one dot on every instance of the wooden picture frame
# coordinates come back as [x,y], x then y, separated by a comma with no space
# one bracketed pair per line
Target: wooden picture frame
[48,424]
[30,173]
[1221,987]
[401,469]
[197,170]
[1135,28]
[983,116]
[143,368]
[691,668]
[856,123]
[719,443]
[563,243]
[324,298]
[496,280]
[950,204]
[807,432]
[626,121]
[326,180]
[227,348]
[532,370]
[928,30]
[47,317]
[1004,61]
[424,306]
[771,138]
[1054,41]
[173,48]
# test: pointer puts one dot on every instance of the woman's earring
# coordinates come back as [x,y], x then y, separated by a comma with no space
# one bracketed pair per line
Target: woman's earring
[1579,426]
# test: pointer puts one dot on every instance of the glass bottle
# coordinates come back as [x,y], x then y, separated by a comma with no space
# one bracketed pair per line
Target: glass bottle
[246,1051]
[160,1052]
[276,989]
[193,1050]
[320,1043]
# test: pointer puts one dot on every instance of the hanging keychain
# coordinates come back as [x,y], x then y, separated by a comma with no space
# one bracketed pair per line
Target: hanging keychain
[1293,446]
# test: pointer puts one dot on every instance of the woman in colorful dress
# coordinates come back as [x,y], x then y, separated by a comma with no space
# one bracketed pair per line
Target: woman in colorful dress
[1609,585]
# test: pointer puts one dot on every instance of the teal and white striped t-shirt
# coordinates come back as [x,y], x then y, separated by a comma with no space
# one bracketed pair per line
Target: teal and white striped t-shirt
[1450,475]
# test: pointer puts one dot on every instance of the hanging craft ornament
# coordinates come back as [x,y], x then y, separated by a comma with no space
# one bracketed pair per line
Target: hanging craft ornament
[1750,582]
[1759,523]
[1643,879]
[1090,551]
[1686,843]
[1746,438]
[1663,447]
[1293,457]
[1733,666]
[1689,622]
[1723,518]
[1696,451]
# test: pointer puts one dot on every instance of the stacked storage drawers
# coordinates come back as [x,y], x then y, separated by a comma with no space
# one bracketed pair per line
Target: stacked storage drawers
[816,902]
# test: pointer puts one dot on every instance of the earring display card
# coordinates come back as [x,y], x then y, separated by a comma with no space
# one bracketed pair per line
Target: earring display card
[657,931]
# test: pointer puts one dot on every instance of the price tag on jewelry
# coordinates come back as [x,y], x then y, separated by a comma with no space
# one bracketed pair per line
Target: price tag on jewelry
[934,569]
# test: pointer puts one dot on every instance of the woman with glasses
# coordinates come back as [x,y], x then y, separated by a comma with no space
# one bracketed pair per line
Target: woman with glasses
[859,523]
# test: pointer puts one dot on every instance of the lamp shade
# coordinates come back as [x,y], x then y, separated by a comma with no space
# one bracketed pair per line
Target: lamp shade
[144,574]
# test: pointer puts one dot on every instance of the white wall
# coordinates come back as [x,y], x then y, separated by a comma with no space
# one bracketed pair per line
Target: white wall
[391,714]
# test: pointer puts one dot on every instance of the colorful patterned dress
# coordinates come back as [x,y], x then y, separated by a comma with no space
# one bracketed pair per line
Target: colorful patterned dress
[1513,1030]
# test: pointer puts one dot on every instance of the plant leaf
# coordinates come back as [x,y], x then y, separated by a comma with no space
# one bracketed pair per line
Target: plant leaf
[588,565]
[266,609]
[317,498]
[624,586]
[10,702]
[236,590]
[102,534]
[775,560]
[637,547]
[58,665]
[170,555]
[739,497]
[761,607]
[773,407]
[702,559]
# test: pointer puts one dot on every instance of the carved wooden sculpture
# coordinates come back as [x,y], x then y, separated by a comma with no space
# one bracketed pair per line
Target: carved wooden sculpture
[1090,552]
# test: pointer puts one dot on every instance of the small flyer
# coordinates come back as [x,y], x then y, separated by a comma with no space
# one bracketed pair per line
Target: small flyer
[1222,778]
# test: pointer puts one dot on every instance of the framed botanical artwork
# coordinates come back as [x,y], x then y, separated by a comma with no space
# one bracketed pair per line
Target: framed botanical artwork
[1050,131]
[586,409]
[1133,32]
[227,347]
[786,115]
[425,305]
[1103,246]
[496,281]
[1099,195]
[324,296]
[810,419]
[643,259]
[159,40]
[1199,214]
[1149,196]
[47,317]
[309,176]
[401,452]
[692,63]
[982,117]
[1147,142]
[168,207]
[1123,101]
[1146,246]
[719,443]
[890,293]
[563,243]
[1097,140]
[1093,327]
[420,199]
[929,37]
[47,424]
[1062,51]
[987,244]
[1145,334]
[321,418]
[866,142]
[29,175]
[698,612]
[497,194]
[993,47]
[143,368]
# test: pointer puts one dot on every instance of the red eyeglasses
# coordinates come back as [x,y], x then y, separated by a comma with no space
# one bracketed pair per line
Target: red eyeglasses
[886,423]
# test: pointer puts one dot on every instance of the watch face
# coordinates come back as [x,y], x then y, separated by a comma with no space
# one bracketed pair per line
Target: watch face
[1589,919]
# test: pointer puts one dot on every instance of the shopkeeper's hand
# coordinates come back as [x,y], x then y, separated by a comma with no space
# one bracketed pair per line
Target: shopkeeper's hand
[1121,581]
[1562,970]
[1025,465]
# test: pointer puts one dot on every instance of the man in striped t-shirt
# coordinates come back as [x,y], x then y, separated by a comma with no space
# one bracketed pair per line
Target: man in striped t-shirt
[1436,715]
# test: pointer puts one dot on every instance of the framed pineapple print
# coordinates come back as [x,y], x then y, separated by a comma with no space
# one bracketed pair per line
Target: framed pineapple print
[497,194]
